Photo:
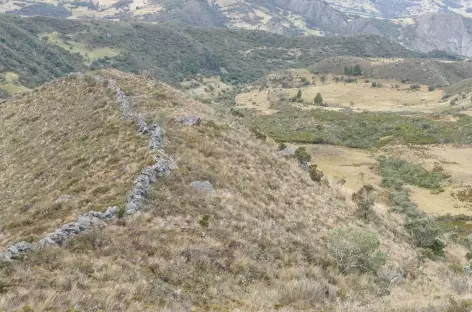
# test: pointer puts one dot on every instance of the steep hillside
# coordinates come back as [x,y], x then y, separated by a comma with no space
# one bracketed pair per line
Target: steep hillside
[26,60]
[235,227]
[463,86]
[65,149]
[445,32]
[401,8]
[420,25]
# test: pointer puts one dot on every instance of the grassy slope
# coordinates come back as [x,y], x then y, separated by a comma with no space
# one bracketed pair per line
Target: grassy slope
[63,139]
[261,248]
[89,54]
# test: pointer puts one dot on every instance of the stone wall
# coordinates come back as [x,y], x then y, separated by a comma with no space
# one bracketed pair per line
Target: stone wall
[138,193]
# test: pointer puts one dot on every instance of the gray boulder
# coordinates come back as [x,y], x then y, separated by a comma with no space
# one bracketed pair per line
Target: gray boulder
[288,152]
[14,250]
[63,198]
[202,185]
[189,120]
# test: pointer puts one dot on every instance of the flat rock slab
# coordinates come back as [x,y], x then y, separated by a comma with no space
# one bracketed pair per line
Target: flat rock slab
[202,185]
[189,120]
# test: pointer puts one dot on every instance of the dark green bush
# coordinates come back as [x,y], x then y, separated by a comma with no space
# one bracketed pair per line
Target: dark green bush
[301,155]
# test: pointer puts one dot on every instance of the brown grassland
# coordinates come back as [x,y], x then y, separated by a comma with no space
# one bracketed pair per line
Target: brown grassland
[258,242]
[67,138]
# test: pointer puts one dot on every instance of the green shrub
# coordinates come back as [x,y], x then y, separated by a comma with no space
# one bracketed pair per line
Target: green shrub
[355,250]
[315,174]
[301,155]
[318,100]
[395,172]
[121,212]
[204,221]
[365,200]
[399,199]
[425,232]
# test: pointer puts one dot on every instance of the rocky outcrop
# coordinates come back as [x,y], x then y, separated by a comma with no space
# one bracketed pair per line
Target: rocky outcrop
[316,13]
[137,196]
[445,32]
[188,120]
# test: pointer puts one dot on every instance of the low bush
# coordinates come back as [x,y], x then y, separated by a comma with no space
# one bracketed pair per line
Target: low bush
[365,200]
[301,155]
[395,172]
[355,250]
[426,232]
[315,174]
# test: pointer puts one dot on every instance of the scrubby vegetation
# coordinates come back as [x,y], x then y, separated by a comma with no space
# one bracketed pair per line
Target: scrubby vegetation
[23,53]
[64,140]
[355,250]
[362,130]
[396,172]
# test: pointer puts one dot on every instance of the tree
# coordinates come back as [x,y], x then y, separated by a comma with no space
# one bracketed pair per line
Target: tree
[347,70]
[318,100]
[299,94]
[323,79]
[357,70]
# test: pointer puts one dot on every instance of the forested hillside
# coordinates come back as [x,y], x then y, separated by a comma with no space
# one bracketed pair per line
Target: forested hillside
[39,49]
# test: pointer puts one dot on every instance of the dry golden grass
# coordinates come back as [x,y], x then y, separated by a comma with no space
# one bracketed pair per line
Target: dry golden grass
[361,96]
[256,243]
[63,139]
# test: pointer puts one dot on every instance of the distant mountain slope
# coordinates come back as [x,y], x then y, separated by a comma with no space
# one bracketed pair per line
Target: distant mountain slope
[430,72]
[401,8]
[417,24]
[39,49]
[30,60]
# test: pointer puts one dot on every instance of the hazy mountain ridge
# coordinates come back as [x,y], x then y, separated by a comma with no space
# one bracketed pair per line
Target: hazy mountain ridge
[418,25]
[401,8]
